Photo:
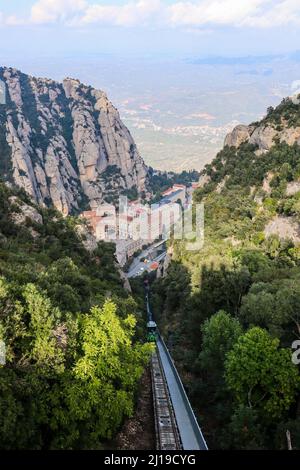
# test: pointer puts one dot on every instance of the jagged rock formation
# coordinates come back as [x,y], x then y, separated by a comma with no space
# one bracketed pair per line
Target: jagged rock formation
[263,159]
[280,125]
[239,135]
[23,212]
[263,136]
[86,236]
[65,143]
[284,228]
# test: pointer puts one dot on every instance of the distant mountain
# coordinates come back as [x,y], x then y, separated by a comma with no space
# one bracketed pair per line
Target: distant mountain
[247,60]
[65,143]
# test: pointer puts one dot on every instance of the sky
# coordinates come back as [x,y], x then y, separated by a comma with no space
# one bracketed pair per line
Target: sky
[149,27]
[182,73]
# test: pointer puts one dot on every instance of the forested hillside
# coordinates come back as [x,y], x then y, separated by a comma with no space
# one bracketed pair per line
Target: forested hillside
[71,333]
[231,311]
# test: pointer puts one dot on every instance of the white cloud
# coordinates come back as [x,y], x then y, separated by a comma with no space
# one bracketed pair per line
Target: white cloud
[191,16]
[282,13]
[52,11]
[130,14]
[195,14]
[220,12]
[14,21]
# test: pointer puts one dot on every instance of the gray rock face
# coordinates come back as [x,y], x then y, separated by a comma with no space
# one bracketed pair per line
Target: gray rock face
[124,279]
[86,237]
[66,143]
[284,227]
[24,212]
[263,136]
[239,135]
[293,188]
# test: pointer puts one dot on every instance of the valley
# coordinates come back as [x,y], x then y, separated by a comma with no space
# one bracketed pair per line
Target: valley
[179,108]
[70,316]
[150,233]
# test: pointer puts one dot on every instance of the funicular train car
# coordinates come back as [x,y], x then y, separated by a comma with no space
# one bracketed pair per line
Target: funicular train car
[151,331]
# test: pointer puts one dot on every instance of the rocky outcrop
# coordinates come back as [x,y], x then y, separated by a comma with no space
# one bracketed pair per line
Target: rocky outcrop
[86,237]
[284,228]
[124,279]
[24,212]
[65,143]
[221,185]
[293,187]
[266,182]
[239,135]
[263,138]
[280,126]
[265,134]
[204,179]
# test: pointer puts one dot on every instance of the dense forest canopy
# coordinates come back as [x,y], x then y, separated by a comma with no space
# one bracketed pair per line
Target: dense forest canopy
[71,332]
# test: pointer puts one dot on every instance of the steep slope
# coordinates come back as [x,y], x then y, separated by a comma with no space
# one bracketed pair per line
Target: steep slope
[263,161]
[68,333]
[231,309]
[65,144]
[281,124]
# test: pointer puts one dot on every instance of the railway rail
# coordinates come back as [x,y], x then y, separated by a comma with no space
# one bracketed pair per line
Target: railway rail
[175,422]
[167,435]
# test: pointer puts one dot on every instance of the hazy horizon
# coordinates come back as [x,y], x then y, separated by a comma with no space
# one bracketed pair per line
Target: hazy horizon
[175,70]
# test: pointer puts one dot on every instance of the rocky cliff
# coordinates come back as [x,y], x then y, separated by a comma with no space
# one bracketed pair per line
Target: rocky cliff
[65,143]
[281,124]
[262,161]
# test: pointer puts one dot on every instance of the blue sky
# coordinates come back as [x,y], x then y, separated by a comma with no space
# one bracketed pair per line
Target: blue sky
[194,27]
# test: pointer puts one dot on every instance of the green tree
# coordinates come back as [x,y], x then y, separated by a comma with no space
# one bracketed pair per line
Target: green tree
[44,350]
[100,388]
[177,286]
[274,306]
[244,431]
[219,334]
[260,374]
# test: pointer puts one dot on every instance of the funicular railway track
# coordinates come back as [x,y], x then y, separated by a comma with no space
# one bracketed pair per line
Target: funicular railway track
[167,435]
[176,425]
